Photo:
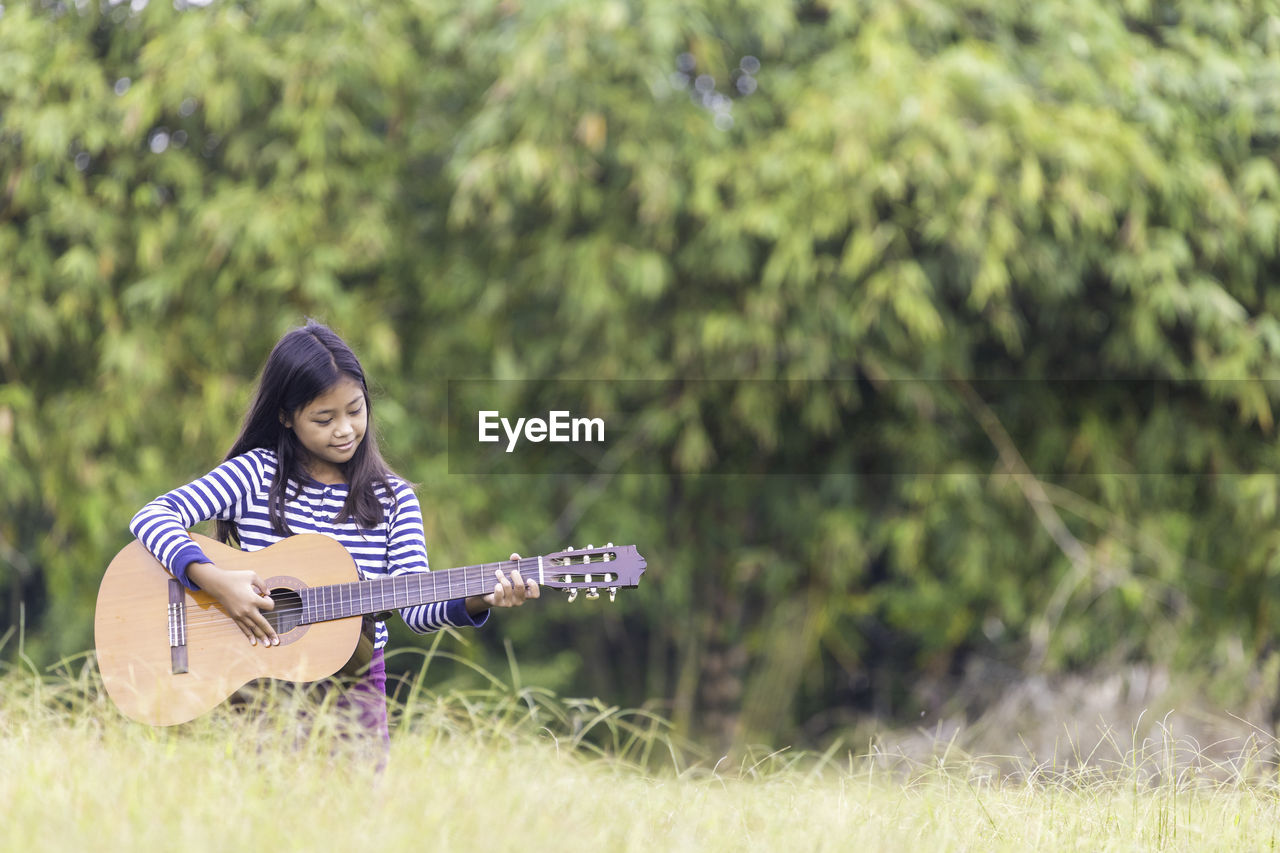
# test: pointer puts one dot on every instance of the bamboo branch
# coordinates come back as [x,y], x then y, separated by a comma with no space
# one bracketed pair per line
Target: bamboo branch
[1033,491]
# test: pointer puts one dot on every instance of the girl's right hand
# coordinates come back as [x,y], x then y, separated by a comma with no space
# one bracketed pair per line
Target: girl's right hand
[242,595]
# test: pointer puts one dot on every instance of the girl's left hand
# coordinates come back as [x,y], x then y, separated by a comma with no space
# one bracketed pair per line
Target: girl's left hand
[509,591]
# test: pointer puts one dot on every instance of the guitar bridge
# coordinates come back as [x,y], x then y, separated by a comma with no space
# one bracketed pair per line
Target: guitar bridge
[177,628]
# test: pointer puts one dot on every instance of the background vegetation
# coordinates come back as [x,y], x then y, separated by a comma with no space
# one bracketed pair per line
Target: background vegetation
[1015,206]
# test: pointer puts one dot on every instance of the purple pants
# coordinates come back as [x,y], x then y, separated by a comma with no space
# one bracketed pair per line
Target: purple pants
[366,701]
[357,707]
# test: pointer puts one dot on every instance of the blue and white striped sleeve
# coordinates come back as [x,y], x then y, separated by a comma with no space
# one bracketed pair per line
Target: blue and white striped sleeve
[407,552]
[162,525]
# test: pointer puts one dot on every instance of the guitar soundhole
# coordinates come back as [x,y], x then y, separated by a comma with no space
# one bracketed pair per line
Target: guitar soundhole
[288,612]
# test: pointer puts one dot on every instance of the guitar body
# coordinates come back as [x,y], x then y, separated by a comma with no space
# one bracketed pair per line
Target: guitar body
[140,658]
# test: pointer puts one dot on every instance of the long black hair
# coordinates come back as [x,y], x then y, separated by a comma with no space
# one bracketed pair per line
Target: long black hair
[304,364]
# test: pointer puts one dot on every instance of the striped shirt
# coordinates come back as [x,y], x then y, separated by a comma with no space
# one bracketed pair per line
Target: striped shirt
[237,491]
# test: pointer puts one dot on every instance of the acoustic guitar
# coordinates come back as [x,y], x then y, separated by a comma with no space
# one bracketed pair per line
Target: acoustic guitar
[168,655]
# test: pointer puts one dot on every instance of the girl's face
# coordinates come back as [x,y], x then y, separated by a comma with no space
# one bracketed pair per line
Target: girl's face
[331,427]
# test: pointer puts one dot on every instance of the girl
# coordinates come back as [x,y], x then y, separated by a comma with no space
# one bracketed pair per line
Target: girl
[306,461]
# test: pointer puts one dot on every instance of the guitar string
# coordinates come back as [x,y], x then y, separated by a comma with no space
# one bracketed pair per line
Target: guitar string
[210,614]
[207,613]
[470,574]
[218,619]
[215,623]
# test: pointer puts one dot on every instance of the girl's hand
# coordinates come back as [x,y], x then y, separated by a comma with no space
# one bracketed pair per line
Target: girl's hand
[510,591]
[242,595]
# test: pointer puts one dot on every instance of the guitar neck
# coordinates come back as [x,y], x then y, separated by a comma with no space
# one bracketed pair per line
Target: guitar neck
[340,601]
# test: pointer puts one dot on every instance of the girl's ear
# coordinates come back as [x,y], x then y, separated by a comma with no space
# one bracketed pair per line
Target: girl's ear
[288,424]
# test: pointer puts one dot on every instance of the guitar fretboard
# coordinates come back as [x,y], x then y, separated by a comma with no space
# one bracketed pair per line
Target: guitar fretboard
[322,603]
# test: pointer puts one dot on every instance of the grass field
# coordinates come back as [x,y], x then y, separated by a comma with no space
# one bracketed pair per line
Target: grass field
[504,769]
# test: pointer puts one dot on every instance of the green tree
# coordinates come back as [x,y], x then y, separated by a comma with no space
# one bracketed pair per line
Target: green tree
[937,233]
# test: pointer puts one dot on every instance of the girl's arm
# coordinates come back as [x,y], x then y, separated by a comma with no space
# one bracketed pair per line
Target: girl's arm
[222,494]
[407,552]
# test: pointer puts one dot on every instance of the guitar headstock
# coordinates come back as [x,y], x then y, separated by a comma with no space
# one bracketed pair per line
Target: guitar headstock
[593,569]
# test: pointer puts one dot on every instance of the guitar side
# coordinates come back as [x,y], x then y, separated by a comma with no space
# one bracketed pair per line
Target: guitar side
[134,629]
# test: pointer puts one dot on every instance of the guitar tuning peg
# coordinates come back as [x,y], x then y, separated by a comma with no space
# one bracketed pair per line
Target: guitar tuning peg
[573,593]
[613,593]
[592,592]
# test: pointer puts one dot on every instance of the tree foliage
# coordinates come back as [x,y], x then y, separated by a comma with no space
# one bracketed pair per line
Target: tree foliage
[1003,269]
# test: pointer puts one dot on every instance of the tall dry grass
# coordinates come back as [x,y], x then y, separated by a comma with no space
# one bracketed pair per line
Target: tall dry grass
[512,767]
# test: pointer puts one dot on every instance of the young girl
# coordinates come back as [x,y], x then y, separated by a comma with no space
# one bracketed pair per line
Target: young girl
[306,461]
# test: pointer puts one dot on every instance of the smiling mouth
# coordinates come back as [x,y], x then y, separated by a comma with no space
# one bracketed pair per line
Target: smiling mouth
[346,446]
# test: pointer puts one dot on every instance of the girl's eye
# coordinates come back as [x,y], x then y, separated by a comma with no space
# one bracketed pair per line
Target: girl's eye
[324,422]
